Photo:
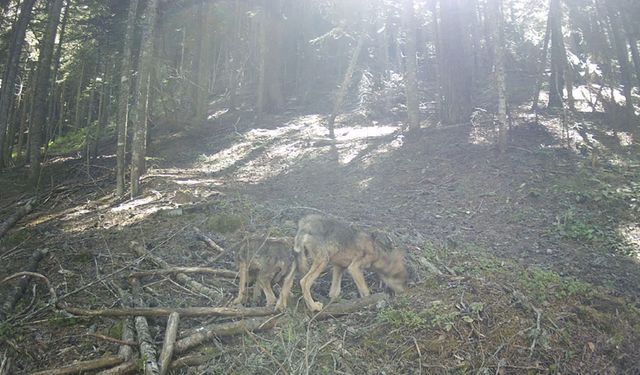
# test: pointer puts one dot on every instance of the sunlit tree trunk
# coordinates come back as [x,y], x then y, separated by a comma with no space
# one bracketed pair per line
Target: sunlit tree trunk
[633,46]
[139,144]
[16,42]
[53,104]
[541,64]
[411,76]
[27,106]
[346,82]
[203,57]
[457,80]
[43,83]
[558,55]
[123,97]
[500,77]
[622,54]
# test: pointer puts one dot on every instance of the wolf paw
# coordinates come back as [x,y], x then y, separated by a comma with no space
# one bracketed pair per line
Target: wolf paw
[316,306]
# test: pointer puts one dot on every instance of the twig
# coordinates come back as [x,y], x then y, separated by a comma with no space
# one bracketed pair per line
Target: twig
[212,244]
[113,339]
[83,366]
[166,311]
[186,270]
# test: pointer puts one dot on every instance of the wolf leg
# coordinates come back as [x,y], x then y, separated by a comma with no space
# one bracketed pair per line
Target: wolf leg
[336,281]
[319,264]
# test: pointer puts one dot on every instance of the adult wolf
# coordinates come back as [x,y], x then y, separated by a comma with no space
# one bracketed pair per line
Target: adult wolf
[326,240]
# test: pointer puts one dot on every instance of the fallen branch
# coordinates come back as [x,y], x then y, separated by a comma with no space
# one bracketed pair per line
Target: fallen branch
[113,339]
[224,329]
[166,311]
[147,349]
[83,366]
[13,219]
[169,342]
[123,368]
[211,243]
[21,287]
[189,282]
[185,270]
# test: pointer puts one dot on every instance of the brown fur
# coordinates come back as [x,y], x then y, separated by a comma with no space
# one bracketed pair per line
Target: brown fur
[326,240]
[265,261]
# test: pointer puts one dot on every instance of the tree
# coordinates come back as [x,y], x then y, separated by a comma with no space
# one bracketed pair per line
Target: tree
[123,97]
[43,82]
[500,78]
[11,71]
[411,76]
[558,55]
[455,69]
[139,147]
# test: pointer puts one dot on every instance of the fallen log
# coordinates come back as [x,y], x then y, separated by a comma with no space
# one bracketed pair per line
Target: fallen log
[83,366]
[147,348]
[19,289]
[169,342]
[13,219]
[185,270]
[166,311]
[211,243]
[224,329]
[181,277]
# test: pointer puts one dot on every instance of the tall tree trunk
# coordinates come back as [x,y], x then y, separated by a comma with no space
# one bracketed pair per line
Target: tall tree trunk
[202,62]
[633,46]
[56,67]
[12,66]
[411,76]
[501,85]
[123,97]
[558,55]
[438,57]
[103,110]
[269,95]
[139,146]
[43,82]
[542,63]
[622,55]
[346,82]
[27,107]
[456,71]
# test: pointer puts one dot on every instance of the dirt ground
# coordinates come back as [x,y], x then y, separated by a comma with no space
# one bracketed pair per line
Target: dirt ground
[536,250]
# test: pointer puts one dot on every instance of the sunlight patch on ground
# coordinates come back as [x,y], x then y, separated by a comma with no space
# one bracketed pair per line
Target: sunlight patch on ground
[632,235]
[195,182]
[225,158]
[383,149]
[624,138]
[264,153]
[135,203]
[351,133]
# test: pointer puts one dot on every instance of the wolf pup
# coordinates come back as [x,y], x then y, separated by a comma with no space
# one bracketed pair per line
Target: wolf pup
[326,240]
[265,260]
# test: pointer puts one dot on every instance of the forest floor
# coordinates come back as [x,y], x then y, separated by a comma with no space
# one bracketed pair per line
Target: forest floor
[537,250]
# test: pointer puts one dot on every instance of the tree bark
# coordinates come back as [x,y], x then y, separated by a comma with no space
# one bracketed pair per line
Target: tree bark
[139,146]
[43,82]
[411,76]
[500,77]
[455,57]
[622,54]
[123,97]
[558,55]
[18,34]
[346,82]
[633,46]
[54,76]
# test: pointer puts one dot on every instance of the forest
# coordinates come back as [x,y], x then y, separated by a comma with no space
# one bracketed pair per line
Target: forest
[473,166]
